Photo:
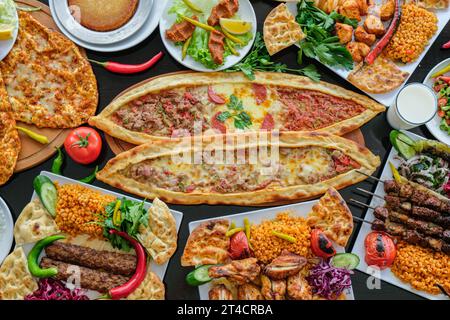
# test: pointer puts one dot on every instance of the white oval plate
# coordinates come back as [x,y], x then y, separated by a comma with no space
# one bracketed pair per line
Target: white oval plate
[62,10]
[245,12]
[6,237]
[433,125]
[146,30]
[7,45]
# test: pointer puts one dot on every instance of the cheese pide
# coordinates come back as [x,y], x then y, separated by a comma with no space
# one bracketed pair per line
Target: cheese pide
[289,168]
[195,103]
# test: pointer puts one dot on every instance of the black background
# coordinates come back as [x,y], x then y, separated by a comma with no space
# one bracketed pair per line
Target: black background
[18,191]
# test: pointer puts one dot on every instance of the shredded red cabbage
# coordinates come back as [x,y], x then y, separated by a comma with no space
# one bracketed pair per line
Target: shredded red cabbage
[51,289]
[328,281]
[447,188]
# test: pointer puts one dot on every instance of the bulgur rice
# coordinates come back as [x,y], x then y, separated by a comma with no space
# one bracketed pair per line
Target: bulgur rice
[267,247]
[422,268]
[77,206]
[417,26]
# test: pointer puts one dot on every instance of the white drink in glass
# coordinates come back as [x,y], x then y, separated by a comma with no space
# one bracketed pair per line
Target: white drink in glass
[415,105]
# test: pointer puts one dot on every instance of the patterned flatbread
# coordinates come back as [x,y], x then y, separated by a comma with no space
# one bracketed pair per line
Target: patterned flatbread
[33,224]
[48,81]
[380,77]
[432,4]
[281,30]
[150,289]
[16,281]
[160,237]
[333,217]
[207,244]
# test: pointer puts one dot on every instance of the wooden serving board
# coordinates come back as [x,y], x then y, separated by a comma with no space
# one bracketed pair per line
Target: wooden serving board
[118,146]
[33,153]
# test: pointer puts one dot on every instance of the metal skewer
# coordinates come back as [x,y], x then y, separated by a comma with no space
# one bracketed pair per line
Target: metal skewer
[369,176]
[371,193]
[442,290]
[361,220]
[361,204]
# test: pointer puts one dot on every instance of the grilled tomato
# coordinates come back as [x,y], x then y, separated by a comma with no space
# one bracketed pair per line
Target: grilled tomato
[239,247]
[380,250]
[321,246]
[83,145]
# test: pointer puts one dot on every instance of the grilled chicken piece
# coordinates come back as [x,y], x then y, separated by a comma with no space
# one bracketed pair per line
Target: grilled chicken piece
[216,46]
[298,288]
[220,292]
[287,264]
[363,7]
[344,32]
[249,291]
[387,10]
[273,289]
[358,50]
[373,25]
[361,35]
[240,271]
[350,9]
[225,9]
[182,31]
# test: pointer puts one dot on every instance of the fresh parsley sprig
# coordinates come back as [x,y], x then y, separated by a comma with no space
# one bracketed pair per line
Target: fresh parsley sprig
[241,118]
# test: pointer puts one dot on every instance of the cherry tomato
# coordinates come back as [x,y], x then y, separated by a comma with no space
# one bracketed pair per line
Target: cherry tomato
[380,250]
[321,246]
[83,145]
[239,248]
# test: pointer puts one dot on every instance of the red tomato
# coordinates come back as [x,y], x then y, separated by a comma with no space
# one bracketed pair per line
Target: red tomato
[218,125]
[380,250]
[441,113]
[239,248]
[442,102]
[321,246]
[214,97]
[268,123]
[83,145]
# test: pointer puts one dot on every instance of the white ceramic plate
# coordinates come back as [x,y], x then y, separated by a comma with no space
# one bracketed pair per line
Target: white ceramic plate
[387,99]
[7,45]
[160,270]
[433,125]
[358,247]
[6,234]
[62,10]
[245,12]
[145,31]
[256,217]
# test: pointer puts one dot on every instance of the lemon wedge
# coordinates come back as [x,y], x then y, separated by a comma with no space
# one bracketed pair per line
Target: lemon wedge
[235,26]
[6,32]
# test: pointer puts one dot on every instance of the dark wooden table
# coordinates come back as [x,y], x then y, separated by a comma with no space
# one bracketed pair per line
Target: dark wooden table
[18,191]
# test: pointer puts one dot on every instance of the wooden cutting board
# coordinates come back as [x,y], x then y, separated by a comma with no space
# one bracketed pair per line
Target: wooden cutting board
[118,146]
[33,153]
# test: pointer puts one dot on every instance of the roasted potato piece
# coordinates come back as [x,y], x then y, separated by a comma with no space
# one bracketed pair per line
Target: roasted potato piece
[361,35]
[373,25]
[350,9]
[344,32]
[358,50]
[387,10]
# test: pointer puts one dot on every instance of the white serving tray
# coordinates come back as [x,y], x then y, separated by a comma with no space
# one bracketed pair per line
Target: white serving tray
[256,217]
[358,247]
[160,270]
[387,99]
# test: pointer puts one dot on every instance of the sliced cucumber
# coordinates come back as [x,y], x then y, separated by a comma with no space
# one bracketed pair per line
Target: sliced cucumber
[47,192]
[199,276]
[345,260]
[403,144]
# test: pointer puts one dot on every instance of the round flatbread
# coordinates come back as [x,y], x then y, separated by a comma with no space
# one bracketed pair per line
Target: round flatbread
[16,281]
[160,237]
[151,288]
[34,224]
[381,76]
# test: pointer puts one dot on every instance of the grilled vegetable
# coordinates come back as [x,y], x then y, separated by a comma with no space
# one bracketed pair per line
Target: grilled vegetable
[380,250]
[321,246]
[239,246]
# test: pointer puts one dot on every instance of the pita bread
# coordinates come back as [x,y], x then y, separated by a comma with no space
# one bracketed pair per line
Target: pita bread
[160,237]
[432,4]
[281,30]
[207,244]
[16,281]
[49,82]
[33,224]
[380,77]
[333,217]
[150,289]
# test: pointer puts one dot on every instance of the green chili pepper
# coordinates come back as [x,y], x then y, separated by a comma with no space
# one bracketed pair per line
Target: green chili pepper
[284,236]
[230,46]
[58,162]
[185,48]
[90,178]
[232,232]
[117,215]
[33,256]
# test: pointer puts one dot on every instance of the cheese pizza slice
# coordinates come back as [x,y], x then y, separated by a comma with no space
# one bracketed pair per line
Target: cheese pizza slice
[197,103]
[249,172]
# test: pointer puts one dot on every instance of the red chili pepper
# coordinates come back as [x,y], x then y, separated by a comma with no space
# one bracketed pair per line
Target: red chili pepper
[121,68]
[370,58]
[129,287]
[446,45]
